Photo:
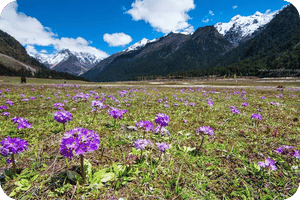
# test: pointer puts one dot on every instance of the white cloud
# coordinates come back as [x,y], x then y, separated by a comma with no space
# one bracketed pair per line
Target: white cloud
[117,39]
[205,20]
[234,7]
[163,15]
[211,13]
[29,32]
[267,11]
[31,50]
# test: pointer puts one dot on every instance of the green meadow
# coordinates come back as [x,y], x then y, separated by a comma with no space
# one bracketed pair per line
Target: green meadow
[196,166]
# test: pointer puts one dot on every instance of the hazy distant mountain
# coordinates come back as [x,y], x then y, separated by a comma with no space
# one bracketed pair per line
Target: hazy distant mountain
[14,61]
[75,63]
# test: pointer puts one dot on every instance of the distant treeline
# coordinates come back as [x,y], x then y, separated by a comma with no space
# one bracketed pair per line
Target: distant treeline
[42,73]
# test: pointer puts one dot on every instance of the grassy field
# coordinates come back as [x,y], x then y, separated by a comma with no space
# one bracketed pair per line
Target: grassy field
[196,166]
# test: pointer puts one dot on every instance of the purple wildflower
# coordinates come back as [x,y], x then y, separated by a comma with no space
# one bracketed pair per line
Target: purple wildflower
[142,143]
[5,114]
[146,125]
[206,130]
[80,140]
[256,116]
[162,119]
[245,104]
[116,113]
[162,146]
[161,130]
[22,122]
[13,145]
[268,163]
[296,154]
[192,104]
[235,111]
[9,102]
[285,150]
[210,102]
[62,116]
[3,107]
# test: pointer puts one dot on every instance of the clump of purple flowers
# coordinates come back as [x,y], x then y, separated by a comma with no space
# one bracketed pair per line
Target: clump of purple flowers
[256,116]
[22,122]
[141,144]
[12,146]
[235,111]
[162,146]
[62,117]
[204,130]
[269,163]
[288,150]
[3,107]
[145,125]
[245,104]
[59,106]
[210,102]
[6,114]
[80,141]
[162,119]
[116,113]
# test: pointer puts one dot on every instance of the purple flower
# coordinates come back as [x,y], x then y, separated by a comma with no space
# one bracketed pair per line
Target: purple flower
[162,146]
[97,104]
[142,143]
[146,125]
[116,113]
[232,107]
[268,163]
[206,130]
[245,104]
[80,140]
[162,119]
[3,107]
[22,95]
[59,106]
[22,122]
[296,154]
[62,116]
[285,150]
[32,98]
[13,145]
[235,111]
[262,97]
[9,102]
[161,130]
[256,116]
[192,104]
[25,100]
[210,102]
[5,114]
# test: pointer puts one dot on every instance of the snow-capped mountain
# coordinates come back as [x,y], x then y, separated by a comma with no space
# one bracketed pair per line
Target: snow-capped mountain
[241,28]
[139,44]
[75,63]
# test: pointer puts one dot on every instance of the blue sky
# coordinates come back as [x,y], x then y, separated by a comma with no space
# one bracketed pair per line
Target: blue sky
[106,27]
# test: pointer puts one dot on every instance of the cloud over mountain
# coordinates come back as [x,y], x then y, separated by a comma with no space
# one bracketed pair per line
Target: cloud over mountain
[164,16]
[117,39]
[30,32]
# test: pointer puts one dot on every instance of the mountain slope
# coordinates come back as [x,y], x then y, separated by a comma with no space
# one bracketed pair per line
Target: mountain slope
[172,52]
[14,61]
[280,38]
[240,28]
[75,63]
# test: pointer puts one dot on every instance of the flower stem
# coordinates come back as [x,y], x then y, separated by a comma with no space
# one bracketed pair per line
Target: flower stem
[201,142]
[64,127]
[141,154]
[13,163]
[82,169]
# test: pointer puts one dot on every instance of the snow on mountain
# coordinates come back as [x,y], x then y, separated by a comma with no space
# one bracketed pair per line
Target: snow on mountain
[241,27]
[139,44]
[69,61]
